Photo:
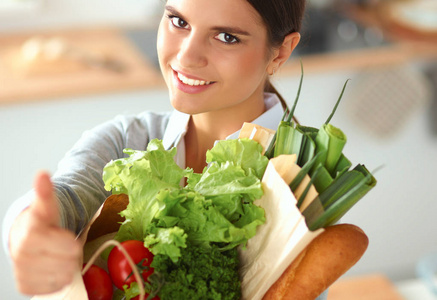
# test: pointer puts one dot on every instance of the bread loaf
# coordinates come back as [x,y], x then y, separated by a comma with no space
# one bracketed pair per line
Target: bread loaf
[320,264]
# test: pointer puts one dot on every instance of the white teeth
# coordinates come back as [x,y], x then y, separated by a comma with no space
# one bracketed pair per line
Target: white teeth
[192,82]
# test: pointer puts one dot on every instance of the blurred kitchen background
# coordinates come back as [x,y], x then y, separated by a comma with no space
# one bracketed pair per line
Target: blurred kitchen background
[66,66]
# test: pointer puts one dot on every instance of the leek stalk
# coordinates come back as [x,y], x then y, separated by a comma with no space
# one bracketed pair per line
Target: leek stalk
[320,155]
[334,210]
[332,140]
[288,140]
[302,173]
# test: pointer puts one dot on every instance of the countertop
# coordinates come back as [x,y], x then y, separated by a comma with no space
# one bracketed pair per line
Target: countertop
[24,79]
[378,287]
[93,60]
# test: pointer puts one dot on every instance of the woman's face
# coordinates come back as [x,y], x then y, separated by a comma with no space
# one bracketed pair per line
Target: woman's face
[213,55]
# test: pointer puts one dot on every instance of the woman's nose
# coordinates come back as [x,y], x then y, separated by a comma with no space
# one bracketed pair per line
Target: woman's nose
[192,53]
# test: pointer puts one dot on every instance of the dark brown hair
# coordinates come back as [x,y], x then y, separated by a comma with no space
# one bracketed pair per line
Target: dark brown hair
[281,17]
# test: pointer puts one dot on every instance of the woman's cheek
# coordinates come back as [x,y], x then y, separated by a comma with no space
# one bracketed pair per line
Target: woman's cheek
[248,69]
[165,44]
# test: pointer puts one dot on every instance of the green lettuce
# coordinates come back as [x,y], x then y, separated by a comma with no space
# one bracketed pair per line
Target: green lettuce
[242,152]
[215,206]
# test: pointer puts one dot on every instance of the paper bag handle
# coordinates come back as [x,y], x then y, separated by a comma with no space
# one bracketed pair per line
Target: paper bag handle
[128,258]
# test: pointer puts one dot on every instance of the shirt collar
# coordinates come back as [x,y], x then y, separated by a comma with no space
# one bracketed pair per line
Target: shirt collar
[270,118]
[178,122]
[176,129]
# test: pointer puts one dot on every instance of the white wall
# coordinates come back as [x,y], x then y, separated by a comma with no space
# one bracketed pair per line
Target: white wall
[55,14]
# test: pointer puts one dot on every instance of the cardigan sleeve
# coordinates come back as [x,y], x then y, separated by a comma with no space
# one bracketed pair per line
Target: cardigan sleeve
[78,179]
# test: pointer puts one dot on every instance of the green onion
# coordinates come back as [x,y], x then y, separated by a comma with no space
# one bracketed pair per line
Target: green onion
[320,155]
[271,148]
[340,186]
[332,140]
[288,139]
[291,114]
[336,104]
[323,179]
[302,173]
[342,166]
[307,188]
[359,184]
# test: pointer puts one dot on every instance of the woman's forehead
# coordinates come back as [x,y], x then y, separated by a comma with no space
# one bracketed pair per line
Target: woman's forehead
[218,12]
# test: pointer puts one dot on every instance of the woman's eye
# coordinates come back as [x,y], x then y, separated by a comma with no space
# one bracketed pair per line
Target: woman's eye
[227,38]
[178,22]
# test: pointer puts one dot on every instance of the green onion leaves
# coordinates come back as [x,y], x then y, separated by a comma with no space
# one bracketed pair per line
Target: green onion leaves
[320,155]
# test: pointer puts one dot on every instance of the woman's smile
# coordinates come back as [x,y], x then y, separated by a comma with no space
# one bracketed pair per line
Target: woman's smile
[213,64]
[190,81]
[189,84]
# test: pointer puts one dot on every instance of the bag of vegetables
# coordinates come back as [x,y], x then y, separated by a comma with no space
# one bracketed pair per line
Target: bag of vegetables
[239,229]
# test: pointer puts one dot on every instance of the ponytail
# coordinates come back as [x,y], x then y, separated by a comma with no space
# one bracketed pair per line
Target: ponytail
[269,88]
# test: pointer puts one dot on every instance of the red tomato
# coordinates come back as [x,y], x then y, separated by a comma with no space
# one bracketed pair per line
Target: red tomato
[118,266]
[98,284]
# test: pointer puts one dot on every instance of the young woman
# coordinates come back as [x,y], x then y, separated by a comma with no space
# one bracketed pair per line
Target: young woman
[216,57]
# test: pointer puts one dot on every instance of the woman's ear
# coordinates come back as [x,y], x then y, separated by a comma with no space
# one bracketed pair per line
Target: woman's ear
[284,51]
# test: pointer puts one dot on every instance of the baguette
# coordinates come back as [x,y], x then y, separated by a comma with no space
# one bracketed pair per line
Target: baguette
[320,264]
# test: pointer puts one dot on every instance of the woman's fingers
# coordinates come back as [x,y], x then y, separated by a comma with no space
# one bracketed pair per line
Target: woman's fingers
[44,274]
[45,207]
[45,256]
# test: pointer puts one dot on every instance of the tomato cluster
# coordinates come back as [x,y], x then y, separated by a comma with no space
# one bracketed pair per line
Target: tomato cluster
[99,283]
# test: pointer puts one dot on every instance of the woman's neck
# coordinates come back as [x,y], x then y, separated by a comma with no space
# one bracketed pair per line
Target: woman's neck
[206,128]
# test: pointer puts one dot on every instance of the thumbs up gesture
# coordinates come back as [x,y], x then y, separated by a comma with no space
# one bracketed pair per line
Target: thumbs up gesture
[45,256]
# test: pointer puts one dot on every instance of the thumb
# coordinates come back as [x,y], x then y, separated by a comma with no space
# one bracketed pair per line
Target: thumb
[45,207]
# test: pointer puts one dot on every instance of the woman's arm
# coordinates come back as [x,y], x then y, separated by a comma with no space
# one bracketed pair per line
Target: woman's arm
[40,233]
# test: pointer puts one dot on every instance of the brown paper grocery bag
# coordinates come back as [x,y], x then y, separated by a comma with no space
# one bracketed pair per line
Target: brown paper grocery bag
[277,242]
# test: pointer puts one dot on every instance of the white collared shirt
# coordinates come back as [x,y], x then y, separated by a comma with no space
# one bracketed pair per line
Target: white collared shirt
[178,124]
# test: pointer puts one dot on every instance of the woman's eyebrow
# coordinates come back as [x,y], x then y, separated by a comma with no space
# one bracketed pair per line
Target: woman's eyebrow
[173,11]
[228,29]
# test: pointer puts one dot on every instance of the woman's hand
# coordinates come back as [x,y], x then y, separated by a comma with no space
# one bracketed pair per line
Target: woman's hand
[45,256]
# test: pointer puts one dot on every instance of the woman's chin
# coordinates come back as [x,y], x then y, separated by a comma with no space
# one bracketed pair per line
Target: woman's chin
[186,107]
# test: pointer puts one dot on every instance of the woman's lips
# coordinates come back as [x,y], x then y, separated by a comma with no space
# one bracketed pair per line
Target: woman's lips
[190,85]
[192,82]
